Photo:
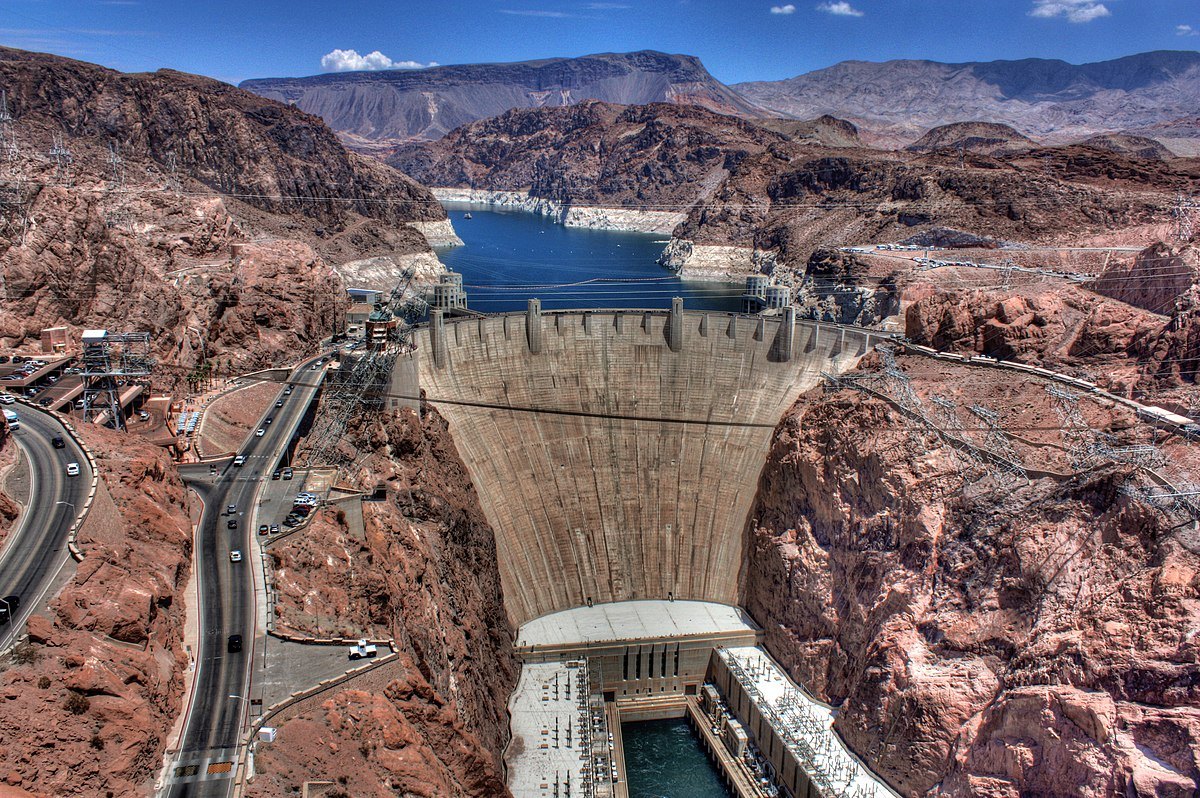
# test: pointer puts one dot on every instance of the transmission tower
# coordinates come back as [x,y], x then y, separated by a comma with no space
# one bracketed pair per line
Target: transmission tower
[1187,214]
[116,214]
[9,150]
[61,156]
[173,183]
[112,362]
[361,384]
[1006,459]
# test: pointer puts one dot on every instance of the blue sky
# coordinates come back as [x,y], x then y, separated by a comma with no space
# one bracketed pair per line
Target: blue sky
[737,39]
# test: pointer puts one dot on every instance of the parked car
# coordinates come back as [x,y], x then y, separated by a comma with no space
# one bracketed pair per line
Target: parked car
[274,529]
[263,529]
[6,399]
[275,474]
[287,473]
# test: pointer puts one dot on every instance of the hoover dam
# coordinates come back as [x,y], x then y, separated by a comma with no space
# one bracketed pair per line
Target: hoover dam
[616,454]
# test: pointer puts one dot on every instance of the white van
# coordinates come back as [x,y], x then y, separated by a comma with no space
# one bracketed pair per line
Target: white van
[14,421]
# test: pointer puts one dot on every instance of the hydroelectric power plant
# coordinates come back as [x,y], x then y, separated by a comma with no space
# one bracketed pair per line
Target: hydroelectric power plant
[616,454]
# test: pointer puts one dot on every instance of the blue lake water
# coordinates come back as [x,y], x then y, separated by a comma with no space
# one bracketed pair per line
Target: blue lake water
[511,256]
[663,759]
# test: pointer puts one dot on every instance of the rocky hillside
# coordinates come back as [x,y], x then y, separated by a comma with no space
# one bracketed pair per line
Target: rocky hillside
[90,702]
[743,198]
[371,109]
[988,138]
[420,570]
[9,510]
[968,653]
[827,131]
[235,216]
[652,157]
[1126,144]
[1047,99]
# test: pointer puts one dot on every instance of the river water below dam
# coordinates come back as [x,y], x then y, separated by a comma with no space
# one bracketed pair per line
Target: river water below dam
[663,759]
[510,256]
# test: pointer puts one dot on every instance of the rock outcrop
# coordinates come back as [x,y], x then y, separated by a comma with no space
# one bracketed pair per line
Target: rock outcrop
[220,230]
[979,637]
[377,109]
[1127,144]
[90,701]
[420,570]
[989,138]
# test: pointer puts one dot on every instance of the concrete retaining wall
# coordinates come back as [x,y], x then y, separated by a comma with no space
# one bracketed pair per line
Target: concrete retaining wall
[636,481]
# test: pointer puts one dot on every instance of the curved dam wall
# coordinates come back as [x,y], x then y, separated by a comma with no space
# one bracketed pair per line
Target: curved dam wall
[636,481]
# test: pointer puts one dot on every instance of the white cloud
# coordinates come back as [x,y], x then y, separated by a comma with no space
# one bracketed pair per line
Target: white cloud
[1186,30]
[1073,10]
[524,12]
[788,9]
[351,61]
[840,9]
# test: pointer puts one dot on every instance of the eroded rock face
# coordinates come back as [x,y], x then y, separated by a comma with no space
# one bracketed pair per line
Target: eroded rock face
[9,510]
[422,571]
[89,705]
[1014,639]
[222,236]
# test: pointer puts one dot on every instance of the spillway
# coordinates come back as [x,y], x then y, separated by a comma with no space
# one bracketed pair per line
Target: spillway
[634,478]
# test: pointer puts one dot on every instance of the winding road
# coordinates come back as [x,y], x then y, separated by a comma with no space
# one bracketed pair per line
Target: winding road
[36,550]
[208,757]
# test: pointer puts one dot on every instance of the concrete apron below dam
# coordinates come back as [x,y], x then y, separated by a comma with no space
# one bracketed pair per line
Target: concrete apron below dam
[616,455]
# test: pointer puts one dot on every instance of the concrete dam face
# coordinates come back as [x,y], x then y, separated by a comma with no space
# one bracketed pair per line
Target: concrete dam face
[635,481]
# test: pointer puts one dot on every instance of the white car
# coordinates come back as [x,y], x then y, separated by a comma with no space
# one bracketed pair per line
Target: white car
[261,432]
[235,556]
[6,399]
[72,469]
[239,461]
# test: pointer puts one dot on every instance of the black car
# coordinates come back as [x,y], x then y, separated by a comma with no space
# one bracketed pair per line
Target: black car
[263,529]
[275,475]
[232,524]
[58,442]
[235,644]
[279,403]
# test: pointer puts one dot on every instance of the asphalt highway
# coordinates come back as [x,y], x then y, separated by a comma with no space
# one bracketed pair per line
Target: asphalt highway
[36,550]
[206,762]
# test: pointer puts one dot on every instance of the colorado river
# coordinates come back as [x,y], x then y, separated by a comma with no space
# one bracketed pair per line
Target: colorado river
[507,253]
[663,759]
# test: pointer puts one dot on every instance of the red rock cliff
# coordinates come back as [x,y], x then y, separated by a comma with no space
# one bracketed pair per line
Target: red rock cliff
[90,701]
[422,571]
[993,638]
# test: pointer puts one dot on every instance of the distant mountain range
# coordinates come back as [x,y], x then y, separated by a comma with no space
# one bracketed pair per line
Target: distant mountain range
[1049,100]
[380,108]
[893,103]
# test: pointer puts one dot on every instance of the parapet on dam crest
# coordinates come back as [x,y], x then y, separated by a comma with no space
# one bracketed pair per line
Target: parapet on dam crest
[636,479]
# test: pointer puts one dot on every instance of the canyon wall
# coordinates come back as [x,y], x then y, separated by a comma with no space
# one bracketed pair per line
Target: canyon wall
[90,701]
[980,635]
[596,218]
[419,568]
[635,480]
